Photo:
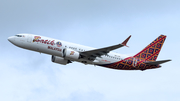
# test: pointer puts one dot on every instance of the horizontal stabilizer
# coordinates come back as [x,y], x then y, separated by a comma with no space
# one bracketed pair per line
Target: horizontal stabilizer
[156,62]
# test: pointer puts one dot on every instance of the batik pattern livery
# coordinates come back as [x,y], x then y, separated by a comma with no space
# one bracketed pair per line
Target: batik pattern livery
[151,52]
[137,62]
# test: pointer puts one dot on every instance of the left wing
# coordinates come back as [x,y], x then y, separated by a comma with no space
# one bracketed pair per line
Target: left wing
[92,54]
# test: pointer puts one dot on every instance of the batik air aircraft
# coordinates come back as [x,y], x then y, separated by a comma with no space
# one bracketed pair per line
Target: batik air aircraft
[65,52]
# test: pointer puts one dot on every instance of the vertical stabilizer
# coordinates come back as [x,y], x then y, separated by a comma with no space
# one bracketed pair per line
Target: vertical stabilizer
[151,52]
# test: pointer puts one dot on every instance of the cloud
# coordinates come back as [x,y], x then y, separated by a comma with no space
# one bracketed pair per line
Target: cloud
[85,96]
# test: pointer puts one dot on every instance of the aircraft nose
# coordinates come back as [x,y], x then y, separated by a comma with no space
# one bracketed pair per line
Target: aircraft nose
[10,39]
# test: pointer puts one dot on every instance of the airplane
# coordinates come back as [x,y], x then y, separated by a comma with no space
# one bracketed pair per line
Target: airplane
[65,52]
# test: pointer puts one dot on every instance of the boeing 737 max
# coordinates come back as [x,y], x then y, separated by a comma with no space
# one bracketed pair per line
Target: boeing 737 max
[65,52]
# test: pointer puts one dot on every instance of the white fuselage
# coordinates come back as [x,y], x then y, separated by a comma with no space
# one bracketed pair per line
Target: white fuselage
[48,46]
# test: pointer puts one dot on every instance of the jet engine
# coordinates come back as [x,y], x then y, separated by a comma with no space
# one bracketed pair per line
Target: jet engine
[60,60]
[71,54]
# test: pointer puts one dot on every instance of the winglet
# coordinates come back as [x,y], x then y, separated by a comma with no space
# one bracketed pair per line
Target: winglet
[125,41]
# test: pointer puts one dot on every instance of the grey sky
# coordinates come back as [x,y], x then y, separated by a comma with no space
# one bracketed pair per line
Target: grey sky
[29,76]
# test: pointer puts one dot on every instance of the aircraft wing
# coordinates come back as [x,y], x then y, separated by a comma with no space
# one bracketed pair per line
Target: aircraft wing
[103,51]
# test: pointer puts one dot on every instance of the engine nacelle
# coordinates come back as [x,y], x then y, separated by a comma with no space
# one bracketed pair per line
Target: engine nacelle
[70,54]
[60,60]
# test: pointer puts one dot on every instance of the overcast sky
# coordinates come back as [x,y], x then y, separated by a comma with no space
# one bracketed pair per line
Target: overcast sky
[30,76]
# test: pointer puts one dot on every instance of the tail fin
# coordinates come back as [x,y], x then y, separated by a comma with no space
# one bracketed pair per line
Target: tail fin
[151,52]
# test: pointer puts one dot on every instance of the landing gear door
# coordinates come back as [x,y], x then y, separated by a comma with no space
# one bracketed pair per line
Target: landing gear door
[29,38]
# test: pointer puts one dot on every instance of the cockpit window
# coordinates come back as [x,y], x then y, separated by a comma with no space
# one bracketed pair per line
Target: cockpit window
[19,35]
